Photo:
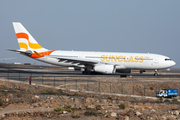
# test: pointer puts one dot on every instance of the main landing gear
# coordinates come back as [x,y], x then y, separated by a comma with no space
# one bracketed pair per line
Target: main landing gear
[87,72]
[155,74]
[123,76]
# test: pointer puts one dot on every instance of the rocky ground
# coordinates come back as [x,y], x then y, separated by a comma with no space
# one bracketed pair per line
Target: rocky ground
[22,101]
[129,86]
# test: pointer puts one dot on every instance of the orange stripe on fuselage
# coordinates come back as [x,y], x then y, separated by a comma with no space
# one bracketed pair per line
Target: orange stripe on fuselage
[42,53]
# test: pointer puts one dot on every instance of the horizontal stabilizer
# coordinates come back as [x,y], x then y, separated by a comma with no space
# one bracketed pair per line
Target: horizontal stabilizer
[25,52]
[17,50]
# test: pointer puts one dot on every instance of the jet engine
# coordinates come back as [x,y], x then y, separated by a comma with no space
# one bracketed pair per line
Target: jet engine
[107,69]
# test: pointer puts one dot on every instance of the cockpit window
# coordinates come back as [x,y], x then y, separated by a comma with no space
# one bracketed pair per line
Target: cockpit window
[167,59]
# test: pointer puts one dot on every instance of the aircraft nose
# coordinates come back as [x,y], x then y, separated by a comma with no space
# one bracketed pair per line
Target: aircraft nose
[173,63]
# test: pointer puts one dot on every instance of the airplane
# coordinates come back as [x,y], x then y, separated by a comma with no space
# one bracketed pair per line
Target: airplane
[91,62]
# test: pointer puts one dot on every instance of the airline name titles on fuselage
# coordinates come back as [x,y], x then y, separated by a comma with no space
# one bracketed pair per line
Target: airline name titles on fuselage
[121,58]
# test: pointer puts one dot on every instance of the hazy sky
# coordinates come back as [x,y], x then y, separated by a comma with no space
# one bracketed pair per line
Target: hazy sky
[96,25]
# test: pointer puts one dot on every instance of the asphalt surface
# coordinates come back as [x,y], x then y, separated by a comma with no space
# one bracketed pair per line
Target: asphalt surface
[39,70]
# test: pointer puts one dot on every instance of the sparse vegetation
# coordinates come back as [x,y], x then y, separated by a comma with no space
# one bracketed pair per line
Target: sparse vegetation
[3,88]
[151,88]
[159,101]
[65,108]
[160,98]
[91,111]
[31,91]
[167,100]
[59,109]
[50,91]
[174,100]
[59,91]
[69,110]
[76,116]
[1,102]
[122,106]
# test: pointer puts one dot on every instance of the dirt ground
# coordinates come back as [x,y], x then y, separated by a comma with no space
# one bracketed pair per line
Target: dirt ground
[18,100]
[129,86]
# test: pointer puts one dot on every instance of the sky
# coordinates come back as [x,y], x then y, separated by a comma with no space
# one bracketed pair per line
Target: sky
[96,25]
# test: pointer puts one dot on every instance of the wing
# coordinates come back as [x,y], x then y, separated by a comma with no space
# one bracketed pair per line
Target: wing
[85,62]
[78,61]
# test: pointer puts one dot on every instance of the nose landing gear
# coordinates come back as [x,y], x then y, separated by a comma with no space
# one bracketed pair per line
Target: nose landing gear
[155,74]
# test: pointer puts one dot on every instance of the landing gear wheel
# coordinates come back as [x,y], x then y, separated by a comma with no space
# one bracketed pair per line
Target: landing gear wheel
[123,75]
[84,72]
[88,72]
[155,74]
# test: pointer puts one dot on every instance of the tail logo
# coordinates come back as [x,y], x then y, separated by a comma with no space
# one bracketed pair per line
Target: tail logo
[24,45]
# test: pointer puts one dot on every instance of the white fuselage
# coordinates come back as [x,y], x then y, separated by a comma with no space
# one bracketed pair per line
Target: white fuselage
[139,61]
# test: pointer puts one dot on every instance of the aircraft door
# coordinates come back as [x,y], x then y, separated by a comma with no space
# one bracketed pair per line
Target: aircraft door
[81,56]
[156,59]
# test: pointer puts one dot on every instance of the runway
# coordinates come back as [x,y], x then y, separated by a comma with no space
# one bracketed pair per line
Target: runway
[37,70]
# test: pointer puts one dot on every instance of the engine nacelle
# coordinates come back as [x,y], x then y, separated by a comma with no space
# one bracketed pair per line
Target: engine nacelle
[107,69]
